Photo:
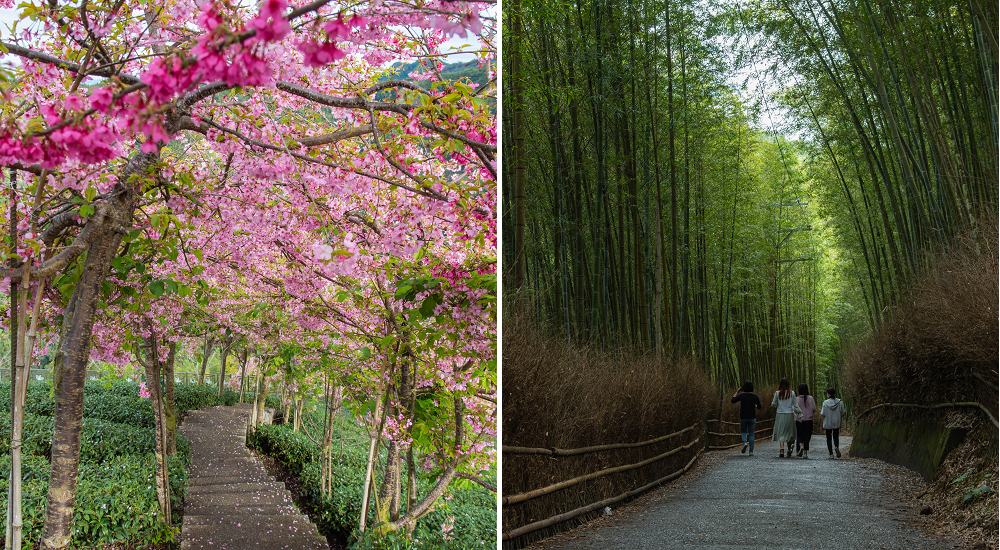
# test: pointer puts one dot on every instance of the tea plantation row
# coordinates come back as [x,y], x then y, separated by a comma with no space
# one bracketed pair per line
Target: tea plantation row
[468,509]
[116,495]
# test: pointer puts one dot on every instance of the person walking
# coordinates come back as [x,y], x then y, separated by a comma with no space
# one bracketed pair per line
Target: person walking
[749,403]
[833,414]
[804,426]
[784,418]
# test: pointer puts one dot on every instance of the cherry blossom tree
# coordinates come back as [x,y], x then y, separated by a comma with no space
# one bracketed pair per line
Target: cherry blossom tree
[180,158]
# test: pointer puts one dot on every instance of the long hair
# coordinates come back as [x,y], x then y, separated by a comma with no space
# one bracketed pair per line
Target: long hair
[832,392]
[804,394]
[784,388]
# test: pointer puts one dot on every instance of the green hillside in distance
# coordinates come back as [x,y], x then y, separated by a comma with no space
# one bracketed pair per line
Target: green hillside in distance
[451,72]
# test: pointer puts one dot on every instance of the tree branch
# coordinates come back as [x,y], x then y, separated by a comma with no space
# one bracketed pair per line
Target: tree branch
[66,65]
[482,482]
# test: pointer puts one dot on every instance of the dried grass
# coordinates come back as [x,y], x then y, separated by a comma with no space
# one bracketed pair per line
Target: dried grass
[939,345]
[571,397]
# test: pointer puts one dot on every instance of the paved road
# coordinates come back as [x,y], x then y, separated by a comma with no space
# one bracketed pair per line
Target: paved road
[735,501]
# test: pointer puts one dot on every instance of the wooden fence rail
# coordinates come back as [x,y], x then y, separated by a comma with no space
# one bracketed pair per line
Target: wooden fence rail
[523,530]
[584,450]
[738,433]
[514,499]
[737,423]
[522,497]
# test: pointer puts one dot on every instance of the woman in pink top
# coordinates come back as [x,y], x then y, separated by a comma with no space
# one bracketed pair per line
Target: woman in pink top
[804,426]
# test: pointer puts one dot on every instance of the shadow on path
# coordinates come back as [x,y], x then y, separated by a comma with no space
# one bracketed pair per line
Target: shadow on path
[738,501]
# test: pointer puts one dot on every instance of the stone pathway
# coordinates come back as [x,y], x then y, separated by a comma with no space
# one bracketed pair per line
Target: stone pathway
[232,503]
[735,501]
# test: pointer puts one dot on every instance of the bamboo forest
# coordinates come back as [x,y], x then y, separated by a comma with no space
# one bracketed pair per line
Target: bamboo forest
[697,195]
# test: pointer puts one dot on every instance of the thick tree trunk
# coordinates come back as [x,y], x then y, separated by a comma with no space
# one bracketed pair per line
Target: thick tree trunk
[388,494]
[74,352]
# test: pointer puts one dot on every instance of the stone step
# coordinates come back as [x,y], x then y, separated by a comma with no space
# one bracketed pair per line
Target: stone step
[256,543]
[246,519]
[237,487]
[239,499]
[222,480]
[232,503]
[250,509]
[231,531]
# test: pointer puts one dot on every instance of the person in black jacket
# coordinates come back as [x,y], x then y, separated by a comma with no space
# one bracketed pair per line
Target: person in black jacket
[749,403]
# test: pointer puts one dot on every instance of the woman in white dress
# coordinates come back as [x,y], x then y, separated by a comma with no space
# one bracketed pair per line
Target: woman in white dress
[784,419]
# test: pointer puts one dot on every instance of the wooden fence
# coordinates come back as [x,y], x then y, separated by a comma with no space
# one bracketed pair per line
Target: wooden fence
[553,452]
[722,442]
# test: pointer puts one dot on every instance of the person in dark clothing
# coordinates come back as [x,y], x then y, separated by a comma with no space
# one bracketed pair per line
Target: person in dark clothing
[749,403]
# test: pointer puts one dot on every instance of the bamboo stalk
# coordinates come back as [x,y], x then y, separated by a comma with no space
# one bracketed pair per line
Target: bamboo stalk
[585,450]
[514,499]
[591,507]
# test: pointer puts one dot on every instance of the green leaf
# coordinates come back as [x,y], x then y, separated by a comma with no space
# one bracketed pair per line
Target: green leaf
[157,288]
[427,308]
[86,210]
[90,193]
[402,291]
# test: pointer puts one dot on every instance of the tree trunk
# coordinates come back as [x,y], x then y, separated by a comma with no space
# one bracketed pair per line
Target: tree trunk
[517,98]
[170,406]
[153,370]
[223,357]
[261,398]
[209,346]
[244,357]
[74,349]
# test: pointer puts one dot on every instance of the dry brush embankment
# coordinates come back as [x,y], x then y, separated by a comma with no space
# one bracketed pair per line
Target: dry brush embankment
[559,397]
[933,363]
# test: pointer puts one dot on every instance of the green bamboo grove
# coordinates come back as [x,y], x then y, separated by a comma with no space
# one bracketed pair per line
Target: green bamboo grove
[900,103]
[650,207]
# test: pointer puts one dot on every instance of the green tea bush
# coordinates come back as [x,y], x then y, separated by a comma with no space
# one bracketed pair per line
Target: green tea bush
[293,450]
[120,406]
[101,439]
[36,435]
[116,493]
[37,401]
[115,501]
[470,509]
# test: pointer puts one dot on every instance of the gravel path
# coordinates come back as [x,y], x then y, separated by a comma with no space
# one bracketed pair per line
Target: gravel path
[732,500]
[232,503]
